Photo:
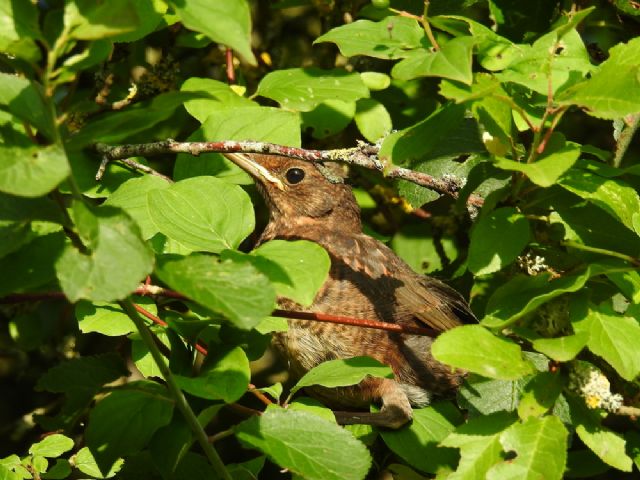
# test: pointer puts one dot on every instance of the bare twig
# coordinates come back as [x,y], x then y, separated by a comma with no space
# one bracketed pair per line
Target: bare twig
[311,316]
[628,411]
[231,73]
[363,155]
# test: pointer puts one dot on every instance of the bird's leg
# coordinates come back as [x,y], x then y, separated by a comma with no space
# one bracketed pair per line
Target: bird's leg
[395,412]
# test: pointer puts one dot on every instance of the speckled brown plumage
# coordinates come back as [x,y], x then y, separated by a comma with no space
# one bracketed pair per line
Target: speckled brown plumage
[366,280]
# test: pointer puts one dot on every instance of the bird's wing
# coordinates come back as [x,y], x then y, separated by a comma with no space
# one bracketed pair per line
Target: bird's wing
[417,297]
[433,303]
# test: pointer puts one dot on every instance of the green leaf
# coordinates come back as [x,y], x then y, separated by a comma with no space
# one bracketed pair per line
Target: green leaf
[19,29]
[202,213]
[304,88]
[108,318]
[228,23]
[444,161]
[84,373]
[114,127]
[389,39]
[141,355]
[52,446]
[497,239]
[479,444]
[117,261]
[558,157]
[476,349]
[561,349]
[613,91]
[25,100]
[13,235]
[452,61]
[225,376]
[218,95]
[131,197]
[32,172]
[607,445]
[418,443]
[284,436]
[541,448]
[540,394]
[328,117]
[613,196]
[237,290]
[264,124]
[96,52]
[523,294]
[89,20]
[124,421]
[561,56]
[415,142]
[32,265]
[17,20]
[150,14]
[372,119]
[61,470]
[306,265]
[375,80]
[577,218]
[613,337]
[628,283]
[84,461]
[343,372]
[311,405]
[20,209]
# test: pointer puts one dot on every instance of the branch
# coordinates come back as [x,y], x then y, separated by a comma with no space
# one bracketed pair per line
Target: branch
[363,155]
[154,290]
[176,393]
[200,348]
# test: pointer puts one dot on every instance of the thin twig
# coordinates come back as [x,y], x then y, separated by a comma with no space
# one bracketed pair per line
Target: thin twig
[579,246]
[220,435]
[176,393]
[356,322]
[202,349]
[628,411]
[311,316]
[550,130]
[231,73]
[363,155]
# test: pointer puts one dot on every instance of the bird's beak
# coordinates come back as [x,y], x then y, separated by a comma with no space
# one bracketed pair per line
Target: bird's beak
[254,169]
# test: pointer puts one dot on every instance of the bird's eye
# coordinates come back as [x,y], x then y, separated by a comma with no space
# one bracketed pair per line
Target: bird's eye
[294,175]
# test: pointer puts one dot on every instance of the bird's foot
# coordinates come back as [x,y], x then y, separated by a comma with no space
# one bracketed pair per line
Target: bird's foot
[395,412]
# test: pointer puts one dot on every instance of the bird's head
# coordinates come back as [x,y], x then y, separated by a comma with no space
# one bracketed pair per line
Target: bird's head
[300,192]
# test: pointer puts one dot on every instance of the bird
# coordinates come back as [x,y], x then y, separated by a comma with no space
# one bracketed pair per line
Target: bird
[366,280]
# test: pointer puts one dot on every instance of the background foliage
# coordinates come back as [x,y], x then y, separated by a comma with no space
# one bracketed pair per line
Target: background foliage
[531,105]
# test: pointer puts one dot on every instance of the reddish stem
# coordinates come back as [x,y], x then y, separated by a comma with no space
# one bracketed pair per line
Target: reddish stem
[231,73]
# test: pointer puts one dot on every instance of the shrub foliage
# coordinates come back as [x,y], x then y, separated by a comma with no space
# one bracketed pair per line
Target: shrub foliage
[530,105]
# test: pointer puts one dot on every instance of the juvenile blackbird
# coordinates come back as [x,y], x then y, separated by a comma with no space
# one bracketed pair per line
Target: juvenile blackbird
[367,280]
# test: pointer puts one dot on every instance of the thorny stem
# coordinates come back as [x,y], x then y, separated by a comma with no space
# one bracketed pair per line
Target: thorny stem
[181,401]
[363,155]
